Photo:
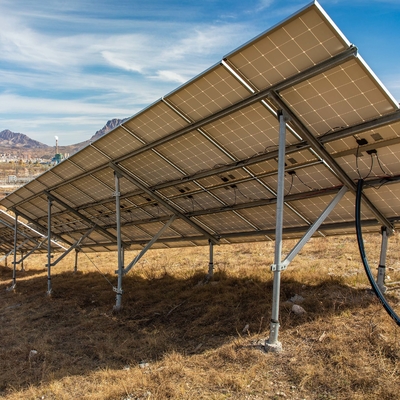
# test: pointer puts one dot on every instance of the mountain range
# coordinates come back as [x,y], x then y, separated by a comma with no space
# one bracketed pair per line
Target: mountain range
[19,144]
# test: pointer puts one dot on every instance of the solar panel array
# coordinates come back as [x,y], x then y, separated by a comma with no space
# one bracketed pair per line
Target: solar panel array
[28,239]
[207,152]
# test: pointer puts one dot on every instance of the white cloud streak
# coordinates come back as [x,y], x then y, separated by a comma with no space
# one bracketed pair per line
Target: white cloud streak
[77,63]
[40,66]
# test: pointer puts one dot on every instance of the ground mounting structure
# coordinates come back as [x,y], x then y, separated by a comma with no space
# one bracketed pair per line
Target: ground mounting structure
[267,144]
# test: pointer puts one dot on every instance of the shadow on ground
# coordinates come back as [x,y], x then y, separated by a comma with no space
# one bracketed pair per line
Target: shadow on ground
[74,331]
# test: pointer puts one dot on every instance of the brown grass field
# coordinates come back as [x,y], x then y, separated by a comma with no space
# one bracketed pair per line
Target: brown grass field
[176,338]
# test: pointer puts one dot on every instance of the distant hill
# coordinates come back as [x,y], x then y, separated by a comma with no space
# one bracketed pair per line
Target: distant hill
[19,144]
[12,140]
[109,126]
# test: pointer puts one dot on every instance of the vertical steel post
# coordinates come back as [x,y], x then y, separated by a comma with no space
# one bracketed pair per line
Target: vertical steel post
[14,279]
[272,344]
[382,261]
[49,203]
[76,261]
[118,290]
[211,262]
[22,261]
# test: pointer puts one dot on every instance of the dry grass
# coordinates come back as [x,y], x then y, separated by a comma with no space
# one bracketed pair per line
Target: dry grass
[176,338]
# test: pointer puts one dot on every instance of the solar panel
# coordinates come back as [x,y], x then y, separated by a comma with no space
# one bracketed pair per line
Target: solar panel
[27,238]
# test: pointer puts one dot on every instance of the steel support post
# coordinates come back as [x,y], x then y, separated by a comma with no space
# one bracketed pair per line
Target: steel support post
[22,261]
[211,262]
[14,278]
[49,204]
[118,289]
[382,261]
[272,344]
[76,261]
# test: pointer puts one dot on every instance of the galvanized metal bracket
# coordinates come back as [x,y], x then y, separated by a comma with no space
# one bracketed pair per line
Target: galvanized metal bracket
[280,267]
[118,291]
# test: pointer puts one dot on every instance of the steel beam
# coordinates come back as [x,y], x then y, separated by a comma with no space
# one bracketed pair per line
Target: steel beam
[360,128]
[20,232]
[160,200]
[147,247]
[40,244]
[32,221]
[293,232]
[313,228]
[81,216]
[74,246]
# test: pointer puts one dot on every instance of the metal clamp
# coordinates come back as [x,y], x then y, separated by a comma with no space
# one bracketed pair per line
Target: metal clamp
[118,291]
[280,267]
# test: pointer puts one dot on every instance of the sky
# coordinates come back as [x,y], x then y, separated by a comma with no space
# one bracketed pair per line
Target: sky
[69,66]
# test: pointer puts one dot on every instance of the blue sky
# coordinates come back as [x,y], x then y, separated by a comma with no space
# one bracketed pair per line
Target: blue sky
[66,67]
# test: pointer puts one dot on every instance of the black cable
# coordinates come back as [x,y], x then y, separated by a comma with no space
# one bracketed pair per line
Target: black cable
[305,184]
[372,166]
[360,241]
[291,184]
[357,168]
[246,197]
[380,165]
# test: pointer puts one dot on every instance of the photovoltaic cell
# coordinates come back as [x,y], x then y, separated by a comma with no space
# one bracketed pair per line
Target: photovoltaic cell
[293,47]
[344,96]
[193,153]
[208,94]
[156,122]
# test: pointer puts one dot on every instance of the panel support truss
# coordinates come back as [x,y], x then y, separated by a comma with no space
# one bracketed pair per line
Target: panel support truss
[272,343]
[151,193]
[313,228]
[38,246]
[147,247]
[12,251]
[77,213]
[74,246]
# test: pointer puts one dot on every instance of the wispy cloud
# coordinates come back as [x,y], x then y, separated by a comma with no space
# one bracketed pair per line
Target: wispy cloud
[263,4]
